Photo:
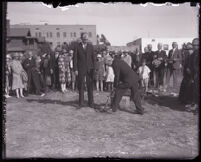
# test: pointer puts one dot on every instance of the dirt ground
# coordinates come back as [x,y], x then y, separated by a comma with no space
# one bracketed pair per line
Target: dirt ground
[52,127]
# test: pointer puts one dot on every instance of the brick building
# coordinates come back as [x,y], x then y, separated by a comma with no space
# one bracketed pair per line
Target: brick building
[58,34]
[20,40]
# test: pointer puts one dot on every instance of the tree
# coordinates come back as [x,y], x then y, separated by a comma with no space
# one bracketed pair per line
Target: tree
[104,40]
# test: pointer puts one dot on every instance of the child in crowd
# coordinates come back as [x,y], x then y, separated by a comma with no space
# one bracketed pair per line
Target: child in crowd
[62,73]
[144,74]
[100,72]
[73,76]
[109,75]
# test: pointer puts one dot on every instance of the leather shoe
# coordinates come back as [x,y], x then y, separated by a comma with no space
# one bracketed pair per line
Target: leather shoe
[91,105]
[138,112]
[80,106]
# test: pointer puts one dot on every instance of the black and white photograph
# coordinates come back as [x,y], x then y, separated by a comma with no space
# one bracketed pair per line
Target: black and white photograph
[101,80]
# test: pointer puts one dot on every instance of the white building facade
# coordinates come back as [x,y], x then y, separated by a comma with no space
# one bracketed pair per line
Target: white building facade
[167,43]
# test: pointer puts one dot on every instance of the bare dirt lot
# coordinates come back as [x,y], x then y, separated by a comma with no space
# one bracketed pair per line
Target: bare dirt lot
[52,127]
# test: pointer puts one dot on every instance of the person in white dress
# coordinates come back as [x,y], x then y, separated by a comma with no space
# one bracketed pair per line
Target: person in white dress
[109,75]
[144,73]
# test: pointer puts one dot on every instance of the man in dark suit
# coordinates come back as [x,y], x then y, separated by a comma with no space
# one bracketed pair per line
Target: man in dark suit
[136,60]
[174,64]
[84,64]
[129,80]
[159,70]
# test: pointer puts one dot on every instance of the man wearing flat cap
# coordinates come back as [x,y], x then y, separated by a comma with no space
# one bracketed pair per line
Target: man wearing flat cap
[125,79]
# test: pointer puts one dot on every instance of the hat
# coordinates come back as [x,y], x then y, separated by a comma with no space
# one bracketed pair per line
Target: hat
[195,42]
[144,61]
[8,56]
[15,54]
[189,46]
[64,50]
[99,56]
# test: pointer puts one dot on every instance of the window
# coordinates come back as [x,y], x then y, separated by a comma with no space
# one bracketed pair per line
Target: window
[74,34]
[81,28]
[90,34]
[47,34]
[58,34]
[50,34]
[37,28]
[71,34]
[57,28]
[36,34]
[39,34]
[64,34]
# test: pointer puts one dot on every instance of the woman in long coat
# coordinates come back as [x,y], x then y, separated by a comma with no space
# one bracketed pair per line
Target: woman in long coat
[17,82]
[186,93]
[8,75]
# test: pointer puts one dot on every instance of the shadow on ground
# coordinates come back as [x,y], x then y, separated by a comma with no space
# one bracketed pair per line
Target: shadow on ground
[49,101]
[98,107]
[167,101]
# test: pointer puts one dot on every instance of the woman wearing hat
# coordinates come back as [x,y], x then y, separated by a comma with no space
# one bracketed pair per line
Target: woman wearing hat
[195,68]
[17,82]
[8,73]
[100,72]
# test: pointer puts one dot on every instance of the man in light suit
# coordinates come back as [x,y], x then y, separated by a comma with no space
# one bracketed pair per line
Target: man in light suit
[84,64]
[174,64]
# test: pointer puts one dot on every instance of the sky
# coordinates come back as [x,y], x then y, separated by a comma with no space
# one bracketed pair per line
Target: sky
[119,22]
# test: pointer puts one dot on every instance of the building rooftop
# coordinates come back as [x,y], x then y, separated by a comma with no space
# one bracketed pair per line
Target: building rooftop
[19,32]
[15,49]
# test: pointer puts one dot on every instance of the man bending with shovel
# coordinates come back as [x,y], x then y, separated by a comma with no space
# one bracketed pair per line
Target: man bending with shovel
[125,78]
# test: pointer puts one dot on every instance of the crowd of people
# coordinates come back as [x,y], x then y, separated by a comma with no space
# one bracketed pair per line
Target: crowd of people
[37,74]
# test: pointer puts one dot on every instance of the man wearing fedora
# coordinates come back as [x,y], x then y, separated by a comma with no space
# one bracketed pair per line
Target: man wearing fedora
[84,64]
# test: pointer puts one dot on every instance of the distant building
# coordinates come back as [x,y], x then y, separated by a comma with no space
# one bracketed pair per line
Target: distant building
[20,40]
[58,34]
[167,43]
[123,48]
